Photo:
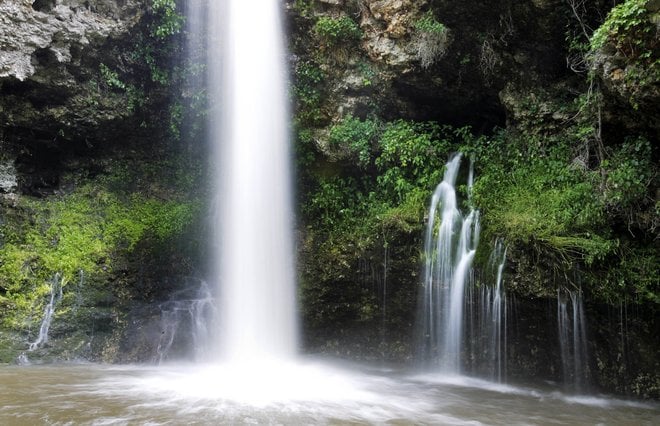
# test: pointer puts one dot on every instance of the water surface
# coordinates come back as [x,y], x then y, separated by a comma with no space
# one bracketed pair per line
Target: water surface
[307,392]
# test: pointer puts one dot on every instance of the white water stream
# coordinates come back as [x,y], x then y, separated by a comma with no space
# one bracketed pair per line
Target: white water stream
[250,134]
[449,249]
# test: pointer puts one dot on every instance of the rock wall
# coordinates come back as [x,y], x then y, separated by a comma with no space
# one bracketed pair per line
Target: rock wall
[91,109]
[523,66]
[91,140]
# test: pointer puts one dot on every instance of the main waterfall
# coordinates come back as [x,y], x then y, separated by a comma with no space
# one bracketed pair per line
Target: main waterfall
[250,136]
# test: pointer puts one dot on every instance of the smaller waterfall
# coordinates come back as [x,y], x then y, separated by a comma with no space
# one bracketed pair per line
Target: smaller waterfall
[184,323]
[383,317]
[496,316]
[488,315]
[449,249]
[572,339]
[49,310]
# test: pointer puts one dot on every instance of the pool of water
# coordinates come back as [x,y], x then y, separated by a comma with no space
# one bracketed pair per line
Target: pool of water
[304,392]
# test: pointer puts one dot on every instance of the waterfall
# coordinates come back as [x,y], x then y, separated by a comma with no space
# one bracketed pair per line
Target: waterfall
[49,310]
[250,137]
[572,334]
[449,250]
[184,321]
[487,319]
[498,320]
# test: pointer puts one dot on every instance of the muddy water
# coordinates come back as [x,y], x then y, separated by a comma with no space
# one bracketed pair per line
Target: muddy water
[307,392]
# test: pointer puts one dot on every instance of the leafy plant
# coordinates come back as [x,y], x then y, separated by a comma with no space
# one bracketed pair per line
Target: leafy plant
[308,92]
[628,27]
[169,21]
[335,31]
[358,135]
[111,78]
[630,172]
[428,24]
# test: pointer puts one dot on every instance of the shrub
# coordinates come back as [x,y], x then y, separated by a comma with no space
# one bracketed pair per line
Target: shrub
[629,172]
[628,27]
[169,21]
[308,92]
[430,39]
[357,135]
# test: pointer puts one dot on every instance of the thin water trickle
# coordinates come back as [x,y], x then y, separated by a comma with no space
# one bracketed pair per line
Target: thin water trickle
[49,311]
[185,322]
[572,334]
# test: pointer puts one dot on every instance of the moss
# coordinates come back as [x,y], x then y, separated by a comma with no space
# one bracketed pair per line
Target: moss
[82,231]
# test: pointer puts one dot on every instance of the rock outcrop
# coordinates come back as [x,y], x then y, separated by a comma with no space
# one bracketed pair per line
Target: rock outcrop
[32,32]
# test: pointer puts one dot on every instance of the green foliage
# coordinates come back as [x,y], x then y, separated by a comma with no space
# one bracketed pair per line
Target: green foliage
[308,92]
[134,96]
[367,72]
[335,31]
[630,171]
[303,7]
[169,21]
[400,163]
[82,231]
[335,201]
[357,135]
[529,194]
[152,54]
[428,24]
[628,27]
[413,155]
[111,78]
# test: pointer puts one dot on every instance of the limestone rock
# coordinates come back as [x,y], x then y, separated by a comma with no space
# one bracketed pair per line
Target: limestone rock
[630,76]
[57,26]
[8,180]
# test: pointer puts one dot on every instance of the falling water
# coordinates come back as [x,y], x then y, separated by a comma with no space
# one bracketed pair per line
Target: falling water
[449,251]
[49,310]
[572,339]
[487,322]
[184,320]
[493,314]
[254,248]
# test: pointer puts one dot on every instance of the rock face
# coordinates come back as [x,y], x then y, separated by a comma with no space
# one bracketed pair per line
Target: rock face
[57,62]
[7,177]
[501,64]
[31,31]
[82,117]
[629,68]
[79,105]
